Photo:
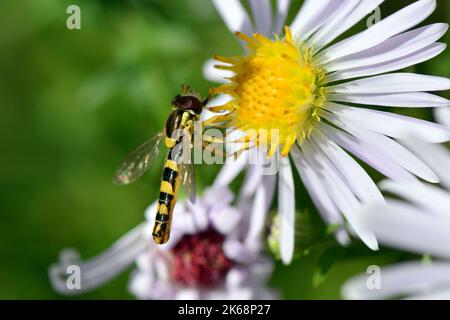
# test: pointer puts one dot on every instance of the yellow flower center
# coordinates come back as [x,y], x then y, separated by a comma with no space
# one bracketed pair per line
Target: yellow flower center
[276,91]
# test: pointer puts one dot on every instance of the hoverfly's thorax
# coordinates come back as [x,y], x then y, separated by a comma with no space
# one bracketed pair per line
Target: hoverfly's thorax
[173,122]
[177,120]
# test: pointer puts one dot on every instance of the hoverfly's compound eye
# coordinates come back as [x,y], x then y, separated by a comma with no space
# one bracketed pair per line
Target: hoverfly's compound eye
[188,103]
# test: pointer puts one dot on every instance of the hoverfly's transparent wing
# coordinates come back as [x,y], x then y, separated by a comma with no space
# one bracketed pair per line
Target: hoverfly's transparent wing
[182,154]
[187,175]
[138,161]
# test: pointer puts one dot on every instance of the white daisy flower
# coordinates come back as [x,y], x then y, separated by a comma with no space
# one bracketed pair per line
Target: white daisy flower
[421,224]
[205,259]
[318,95]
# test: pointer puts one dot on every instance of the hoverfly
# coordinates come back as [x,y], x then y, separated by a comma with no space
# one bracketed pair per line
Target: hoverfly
[186,110]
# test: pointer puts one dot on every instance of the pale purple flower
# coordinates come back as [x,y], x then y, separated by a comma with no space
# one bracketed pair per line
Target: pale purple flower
[357,71]
[206,257]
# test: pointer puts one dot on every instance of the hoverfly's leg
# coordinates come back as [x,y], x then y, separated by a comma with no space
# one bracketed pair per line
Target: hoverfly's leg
[188,127]
[228,60]
[220,126]
[214,121]
[228,107]
[235,155]
[247,142]
[208,98]
[184,119]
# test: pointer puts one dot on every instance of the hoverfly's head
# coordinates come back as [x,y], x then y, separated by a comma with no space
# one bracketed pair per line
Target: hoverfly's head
[189,100]
[188,103]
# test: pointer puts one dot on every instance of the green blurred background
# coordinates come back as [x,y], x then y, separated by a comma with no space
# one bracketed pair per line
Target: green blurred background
[75,102]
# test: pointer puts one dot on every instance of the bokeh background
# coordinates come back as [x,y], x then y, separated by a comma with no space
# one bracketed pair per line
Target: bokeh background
[73,103]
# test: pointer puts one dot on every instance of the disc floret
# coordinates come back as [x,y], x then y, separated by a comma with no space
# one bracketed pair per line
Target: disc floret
[276,91]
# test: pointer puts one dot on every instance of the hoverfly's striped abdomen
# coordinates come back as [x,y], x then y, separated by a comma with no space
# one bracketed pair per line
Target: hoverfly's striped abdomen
[166,202]
[170,180]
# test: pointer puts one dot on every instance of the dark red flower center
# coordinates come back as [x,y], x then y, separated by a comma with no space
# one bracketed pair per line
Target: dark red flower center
[198,260]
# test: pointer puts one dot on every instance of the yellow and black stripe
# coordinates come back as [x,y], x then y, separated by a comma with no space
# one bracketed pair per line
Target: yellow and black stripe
[166,202]
[171,179]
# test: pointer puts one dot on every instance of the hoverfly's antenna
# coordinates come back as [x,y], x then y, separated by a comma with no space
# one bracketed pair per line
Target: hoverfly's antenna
[185,89]
[188,91]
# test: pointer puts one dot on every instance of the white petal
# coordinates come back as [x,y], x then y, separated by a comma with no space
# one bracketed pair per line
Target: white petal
[406,227]
[218,101]
[312,15]
[144,261]
[368,154]
[334,28]
[211,73]
[260,270]
[241,294]
[141,284]
[226,220]
[327,29]
[390,148]
[319,195]
[400,21]
[253,177]
[187,294]
[391,65]
[286,209]
[340,193]
[357,178]
[393,48]
[261,205]
[437,294]
[342,237]
[217,198]
[399,280]
[315,188]
[183,221]
[238,251]
[99,270]
[434,200]
[234,15]
[442,115]
[281,15]
[162,269]
[262,15]
[236,277]
[231,170]
[390,124]
[199,214]
[407,100]
[392,83]
[437,157]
